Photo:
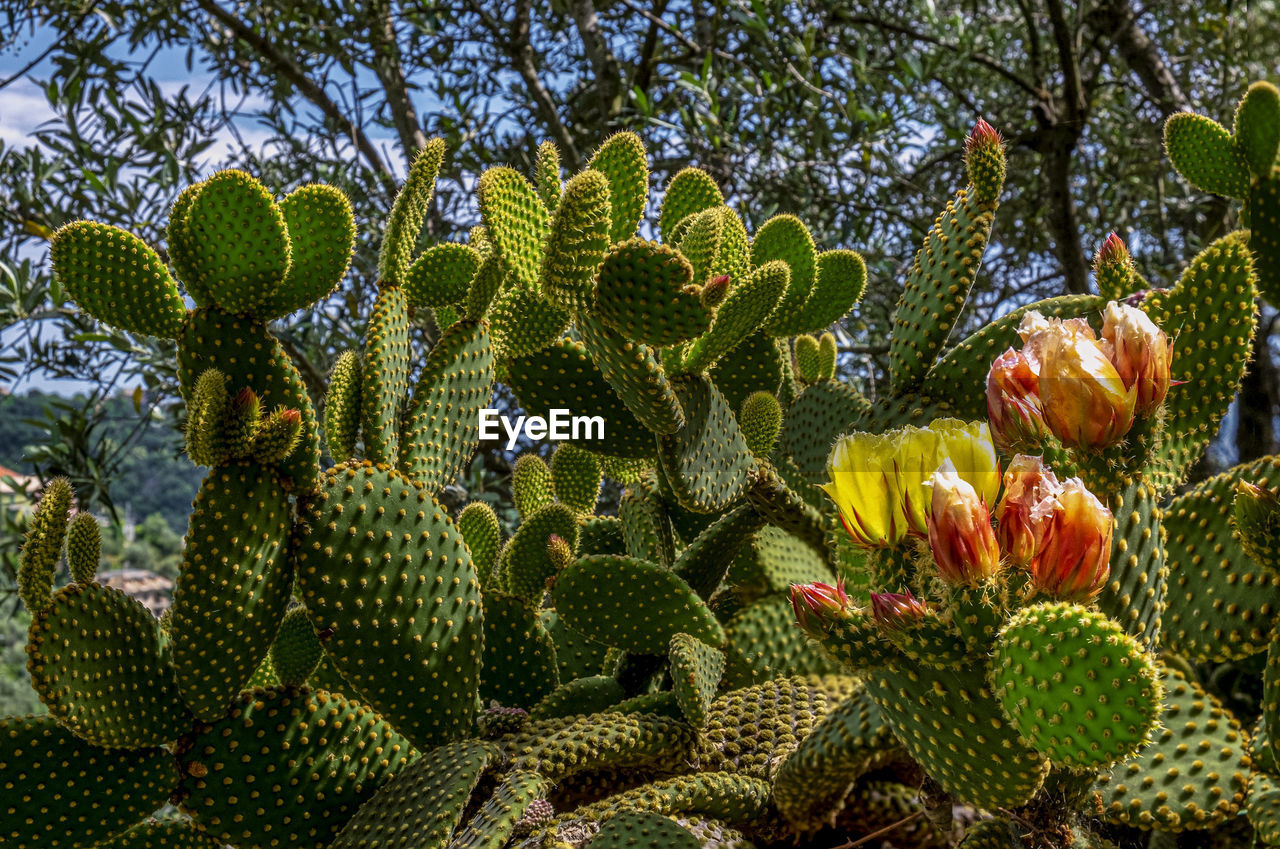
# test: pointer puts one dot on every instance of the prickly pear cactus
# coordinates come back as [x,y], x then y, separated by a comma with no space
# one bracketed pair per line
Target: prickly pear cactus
[737,657]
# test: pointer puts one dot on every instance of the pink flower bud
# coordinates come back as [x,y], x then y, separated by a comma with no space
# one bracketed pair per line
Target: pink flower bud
[817,605]
[897,610]
[1028,484]
[1013,405]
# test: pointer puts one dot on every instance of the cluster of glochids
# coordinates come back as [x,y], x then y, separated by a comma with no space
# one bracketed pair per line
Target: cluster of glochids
[336,631]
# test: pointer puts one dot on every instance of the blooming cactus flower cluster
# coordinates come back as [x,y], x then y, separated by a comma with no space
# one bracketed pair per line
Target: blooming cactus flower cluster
[1069,383]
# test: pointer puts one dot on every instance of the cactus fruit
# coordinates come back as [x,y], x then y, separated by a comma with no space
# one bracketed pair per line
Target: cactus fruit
[350,663]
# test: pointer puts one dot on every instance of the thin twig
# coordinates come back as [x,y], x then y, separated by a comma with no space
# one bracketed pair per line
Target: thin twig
[861,841]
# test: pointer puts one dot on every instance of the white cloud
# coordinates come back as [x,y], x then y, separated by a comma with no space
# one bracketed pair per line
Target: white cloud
[23,108]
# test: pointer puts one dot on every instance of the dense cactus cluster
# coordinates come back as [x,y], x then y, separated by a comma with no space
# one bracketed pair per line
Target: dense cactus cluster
[963,608]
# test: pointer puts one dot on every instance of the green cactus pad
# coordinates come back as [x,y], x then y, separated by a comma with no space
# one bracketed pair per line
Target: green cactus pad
[755,365]
[1205,154]
[1264,238]
[580,696]
[342,407]
[234,585]
[162,834]
[316,758]
[95,660]
[234,241]
[562,747]
[524,322]
[1135,595]
[417,612]
[528,563]
[598,597]
[784,237]
[576,655]
[754,729]
[117,278]
[695,675]
[442,426]
[576,477]
[643,829]
[423,804]
[1193,775]
[811,785]
[690,191]
[705,561]
[296,651]
[960,377]
[207,420]
[644,291]
[547,175]
[578,242]
[700,240]
[516,220]
[1263,749]
[385,375]
[482,533]
[404,224]
[1214,299]
[531,484]
[819,415]
[42,549]
[251,357]
[953,727]
[489,281]
[492,826]
[1079,689]
[995,833]
[764,643]
[937,286]
[62,793]
[1257,128]
[634,372]
[748,307]
[806,359]
[562,376]
[647,531]
[84,548]
[621,159]
[442,276]
[1263,807]
[722,795]
[1221,605]
[841,278]
[519,655]
[773,560]
[706,461]
[322,236]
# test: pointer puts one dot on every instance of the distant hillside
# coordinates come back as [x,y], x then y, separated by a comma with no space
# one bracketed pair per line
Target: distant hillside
[155,476]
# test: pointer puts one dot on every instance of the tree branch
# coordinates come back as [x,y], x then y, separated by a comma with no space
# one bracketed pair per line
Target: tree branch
[1142,56]
[307,87]
[605,66]
[390,72]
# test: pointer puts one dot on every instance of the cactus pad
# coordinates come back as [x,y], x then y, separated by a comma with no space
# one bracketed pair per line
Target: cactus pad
[1221,605]
[841,278]
[417,611]
[598,596]
[234,585]
[706,461]
[322,234]
[385,375]
[1050,654]
[117,278]
[516,220]
[750,303]
[635,374]
[576,478]
[690,191]
[423,804]
[62,793]
[519,656]
[234,242]
[317,758]
[442,276]
[1192,776]
[529,565]
[578,242]
[1205,154]
[563,377]
[296,651]
[342,407]
[94,657]
[442,428]
[695,675]
[621,159]
[644,291]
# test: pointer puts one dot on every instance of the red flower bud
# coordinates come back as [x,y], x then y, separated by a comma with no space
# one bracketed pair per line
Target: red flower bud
[1073,559]
[960,535]
[1013,405]
[818,604]
[897,610]
[1028,484]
